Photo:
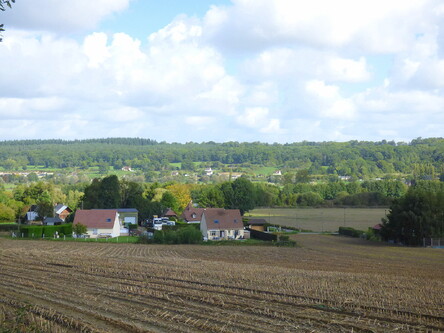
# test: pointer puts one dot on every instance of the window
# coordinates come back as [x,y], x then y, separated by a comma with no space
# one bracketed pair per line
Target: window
[216,221]
[213,233]
[235,220]
[108,220]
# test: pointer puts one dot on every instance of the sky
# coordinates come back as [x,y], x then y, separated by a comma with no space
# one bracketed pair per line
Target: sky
[223,70]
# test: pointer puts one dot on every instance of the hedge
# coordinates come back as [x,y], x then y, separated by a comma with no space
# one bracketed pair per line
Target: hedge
[8,227]
[347,231]
[47,230]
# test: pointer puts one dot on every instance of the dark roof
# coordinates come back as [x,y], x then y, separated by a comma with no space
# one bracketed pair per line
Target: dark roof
[257,222]
[219,218]
[96,218]
[53,220]
[59,208]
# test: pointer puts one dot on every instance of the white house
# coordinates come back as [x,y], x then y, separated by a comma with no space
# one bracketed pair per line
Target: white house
[219,223]
[99,222]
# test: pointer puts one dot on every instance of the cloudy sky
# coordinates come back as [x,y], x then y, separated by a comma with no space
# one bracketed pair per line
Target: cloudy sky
[221,70]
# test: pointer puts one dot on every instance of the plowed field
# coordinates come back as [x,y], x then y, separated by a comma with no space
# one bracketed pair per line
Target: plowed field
[328,284]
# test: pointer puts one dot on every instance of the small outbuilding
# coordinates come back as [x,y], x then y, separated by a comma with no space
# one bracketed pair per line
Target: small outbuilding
[257,224]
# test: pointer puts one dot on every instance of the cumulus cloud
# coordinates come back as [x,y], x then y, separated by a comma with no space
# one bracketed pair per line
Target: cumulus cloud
[254,70]
[377,26]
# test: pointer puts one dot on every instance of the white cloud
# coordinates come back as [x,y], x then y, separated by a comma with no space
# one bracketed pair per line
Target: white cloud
[329,101]
[378,26]
[61,16]
[258,118]
[255,70]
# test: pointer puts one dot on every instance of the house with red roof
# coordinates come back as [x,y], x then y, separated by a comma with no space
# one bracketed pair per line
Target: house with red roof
[192,214]
[219,223]
[99,222]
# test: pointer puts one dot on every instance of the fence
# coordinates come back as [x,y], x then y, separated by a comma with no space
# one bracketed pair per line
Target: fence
[433,242]
[262,235]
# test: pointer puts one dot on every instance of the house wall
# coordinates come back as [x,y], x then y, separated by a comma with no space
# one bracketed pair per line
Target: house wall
[203,228]
[63,215]
[124,215]
[257,227]
[114,229]
[224,234]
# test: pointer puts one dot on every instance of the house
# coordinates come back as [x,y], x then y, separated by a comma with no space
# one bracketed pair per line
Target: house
[170,213]
[257,224]
[208,171]
[99,222]
[32,214]
[219,223]
[192,214]
[277,173]
[62,211]
[127,168]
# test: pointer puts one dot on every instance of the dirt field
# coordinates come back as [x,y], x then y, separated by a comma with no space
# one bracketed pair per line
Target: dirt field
[328,284]
[321,219]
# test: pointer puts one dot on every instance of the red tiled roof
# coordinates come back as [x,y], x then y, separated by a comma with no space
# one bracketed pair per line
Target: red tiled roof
[192,214]
[226,219]
[170,212]
[96,218]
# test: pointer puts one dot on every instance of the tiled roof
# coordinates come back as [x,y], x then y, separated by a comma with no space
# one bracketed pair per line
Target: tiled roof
[223,219]
[192,214]
[170,212]
[96,218]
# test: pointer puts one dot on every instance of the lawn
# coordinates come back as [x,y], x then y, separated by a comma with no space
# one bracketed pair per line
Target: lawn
[321,219]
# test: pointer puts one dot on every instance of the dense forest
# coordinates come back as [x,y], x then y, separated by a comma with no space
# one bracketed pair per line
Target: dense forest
[360,159]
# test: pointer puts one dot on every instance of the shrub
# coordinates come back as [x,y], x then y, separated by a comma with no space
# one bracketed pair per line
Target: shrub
[347,231]
[189,235]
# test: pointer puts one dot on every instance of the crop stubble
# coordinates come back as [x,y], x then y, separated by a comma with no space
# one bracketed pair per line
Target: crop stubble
[330,283]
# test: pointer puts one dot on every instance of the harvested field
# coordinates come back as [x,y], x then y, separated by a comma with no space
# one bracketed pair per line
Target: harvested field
[328,284]
[321,219]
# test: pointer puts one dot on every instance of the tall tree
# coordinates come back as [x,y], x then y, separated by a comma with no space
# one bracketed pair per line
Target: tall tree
[419,214]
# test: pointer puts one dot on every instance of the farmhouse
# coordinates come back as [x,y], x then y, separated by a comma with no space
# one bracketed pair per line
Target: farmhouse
[219,223]
[99,222]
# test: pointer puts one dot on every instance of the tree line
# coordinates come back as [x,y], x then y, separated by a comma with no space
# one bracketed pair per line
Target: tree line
[421,158]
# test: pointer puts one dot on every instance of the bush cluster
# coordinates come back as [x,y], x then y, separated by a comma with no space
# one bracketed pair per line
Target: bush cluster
[348,231]
[186,235]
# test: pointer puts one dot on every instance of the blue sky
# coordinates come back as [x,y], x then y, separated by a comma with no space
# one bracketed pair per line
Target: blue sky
[242,70]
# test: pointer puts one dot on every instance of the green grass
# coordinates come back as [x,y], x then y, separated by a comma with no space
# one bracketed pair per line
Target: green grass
[321,219]
[267,171]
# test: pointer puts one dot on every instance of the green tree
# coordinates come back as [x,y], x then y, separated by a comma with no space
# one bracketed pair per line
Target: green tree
[417,215]
[79,229]
[243,195]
